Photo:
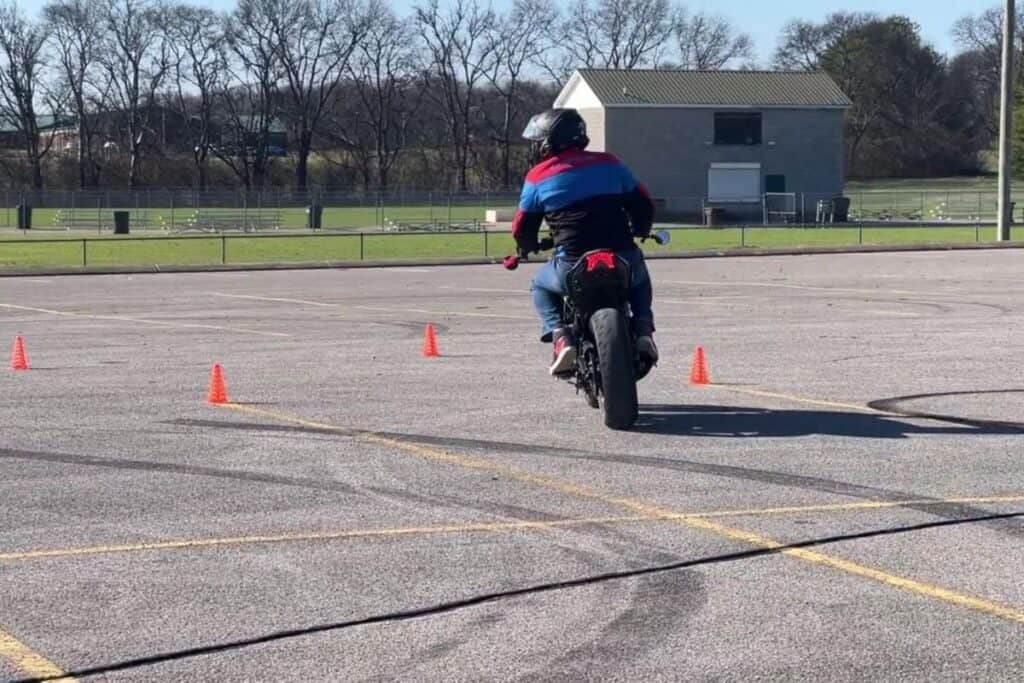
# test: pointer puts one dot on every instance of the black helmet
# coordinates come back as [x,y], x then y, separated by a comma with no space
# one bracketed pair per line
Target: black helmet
[556,130]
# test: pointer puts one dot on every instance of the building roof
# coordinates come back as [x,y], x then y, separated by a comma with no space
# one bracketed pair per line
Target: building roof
[675,88]
[44,121]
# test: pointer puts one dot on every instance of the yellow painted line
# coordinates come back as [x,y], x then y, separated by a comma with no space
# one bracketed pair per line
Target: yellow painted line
[32,663]
[444,313]
[486,527]
[863,571]
[483,527]
[657,512]
[144,321]
[866,506]
[801,399]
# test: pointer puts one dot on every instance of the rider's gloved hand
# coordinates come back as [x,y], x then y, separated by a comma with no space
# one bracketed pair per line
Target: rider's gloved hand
[642,231]
[524,249]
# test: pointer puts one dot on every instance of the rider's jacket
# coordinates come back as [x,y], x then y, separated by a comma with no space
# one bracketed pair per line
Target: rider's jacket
[590,200]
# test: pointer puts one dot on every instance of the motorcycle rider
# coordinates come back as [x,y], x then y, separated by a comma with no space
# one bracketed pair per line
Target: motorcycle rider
[590,200]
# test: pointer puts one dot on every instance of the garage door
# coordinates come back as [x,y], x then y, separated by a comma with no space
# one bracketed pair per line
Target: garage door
[734,182]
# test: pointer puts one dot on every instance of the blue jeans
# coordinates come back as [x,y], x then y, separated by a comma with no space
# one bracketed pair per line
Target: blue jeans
[548,289]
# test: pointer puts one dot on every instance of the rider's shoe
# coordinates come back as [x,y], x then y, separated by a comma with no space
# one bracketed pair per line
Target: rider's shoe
[564,352]
[646,349]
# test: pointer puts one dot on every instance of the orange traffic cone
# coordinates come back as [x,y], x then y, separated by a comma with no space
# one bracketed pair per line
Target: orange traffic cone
[699,371]
[218,390]
[430,343]
[19,361]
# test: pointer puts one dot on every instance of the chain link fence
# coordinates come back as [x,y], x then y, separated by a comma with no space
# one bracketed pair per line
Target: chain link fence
[188,211]
[184,211]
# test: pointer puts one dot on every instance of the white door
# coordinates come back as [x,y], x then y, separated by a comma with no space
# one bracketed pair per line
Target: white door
[734,183]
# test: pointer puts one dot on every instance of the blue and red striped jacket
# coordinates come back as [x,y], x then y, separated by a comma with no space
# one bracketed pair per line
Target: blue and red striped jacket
[590,200]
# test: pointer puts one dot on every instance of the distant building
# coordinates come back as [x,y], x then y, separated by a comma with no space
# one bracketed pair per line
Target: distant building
[246,133]
[718,138]
[166,129]
[11,136]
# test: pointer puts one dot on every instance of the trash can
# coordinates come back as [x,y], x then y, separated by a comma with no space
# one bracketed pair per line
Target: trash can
[315,214]
[121,219]
[24,212]
[825,212]
[712,216]
[841,209]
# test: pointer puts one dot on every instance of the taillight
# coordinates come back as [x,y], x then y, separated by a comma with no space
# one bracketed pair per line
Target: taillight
[601,259]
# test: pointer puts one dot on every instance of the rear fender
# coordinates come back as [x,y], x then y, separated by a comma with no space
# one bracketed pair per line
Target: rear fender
[600,279]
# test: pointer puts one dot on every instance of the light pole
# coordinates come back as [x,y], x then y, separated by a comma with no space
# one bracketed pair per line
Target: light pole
[1006,123]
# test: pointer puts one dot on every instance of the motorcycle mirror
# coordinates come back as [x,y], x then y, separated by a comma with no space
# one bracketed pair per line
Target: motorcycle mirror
[663,237]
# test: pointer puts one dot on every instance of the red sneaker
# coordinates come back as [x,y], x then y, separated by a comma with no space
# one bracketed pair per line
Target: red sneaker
[564,353]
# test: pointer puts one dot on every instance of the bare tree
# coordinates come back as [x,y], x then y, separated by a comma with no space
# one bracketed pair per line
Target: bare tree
[520,39]
[387,93]
[982,34]
[314,40]
[22,45]
[136,59]
[459,56]
[199,67]
[249,95]
[76,36]
[617,34]
[710,42]
[803,44]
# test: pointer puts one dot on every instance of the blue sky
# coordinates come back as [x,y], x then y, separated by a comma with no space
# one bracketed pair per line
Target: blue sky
[763,19]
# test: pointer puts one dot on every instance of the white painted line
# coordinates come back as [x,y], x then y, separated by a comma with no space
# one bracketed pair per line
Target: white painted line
[779,285]
[523,291]
[303,302]
[145,321]
[889,314]
[375,308]
[410,270]
[687,302]
[443,313]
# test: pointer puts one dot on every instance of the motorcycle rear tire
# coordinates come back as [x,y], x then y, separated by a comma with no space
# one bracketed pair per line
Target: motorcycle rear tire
[618,374]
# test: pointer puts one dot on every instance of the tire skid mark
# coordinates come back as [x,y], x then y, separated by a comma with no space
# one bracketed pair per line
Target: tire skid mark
[910,501]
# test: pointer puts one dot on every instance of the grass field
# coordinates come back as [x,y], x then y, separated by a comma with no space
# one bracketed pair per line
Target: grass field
[157,236]
[242,249]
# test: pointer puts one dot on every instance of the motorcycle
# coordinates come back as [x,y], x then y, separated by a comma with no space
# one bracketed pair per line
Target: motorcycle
[596,310]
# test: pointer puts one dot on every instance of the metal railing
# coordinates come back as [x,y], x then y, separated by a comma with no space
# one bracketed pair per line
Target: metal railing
[337,247]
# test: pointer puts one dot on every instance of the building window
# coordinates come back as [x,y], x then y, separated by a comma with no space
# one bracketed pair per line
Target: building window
[738,128]
[774,183]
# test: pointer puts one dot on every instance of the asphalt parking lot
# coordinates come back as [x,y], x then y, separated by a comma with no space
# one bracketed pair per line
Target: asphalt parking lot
[844,501]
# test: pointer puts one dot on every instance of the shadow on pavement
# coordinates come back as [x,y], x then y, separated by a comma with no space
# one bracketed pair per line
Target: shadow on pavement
[739,421]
